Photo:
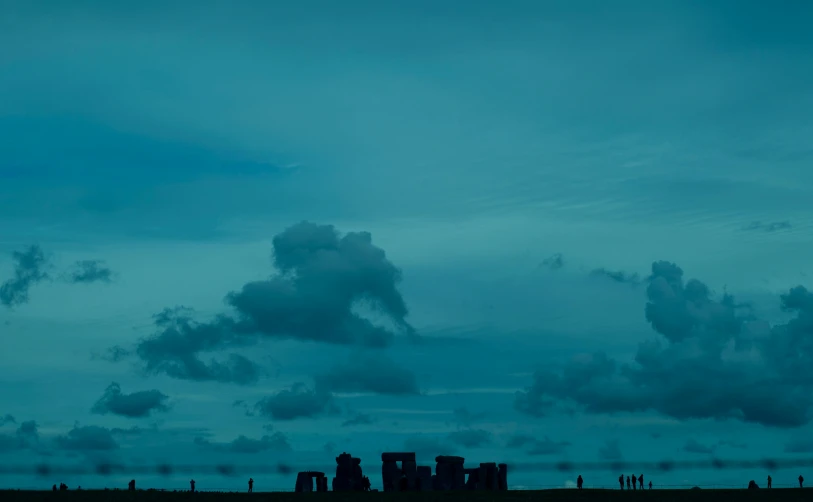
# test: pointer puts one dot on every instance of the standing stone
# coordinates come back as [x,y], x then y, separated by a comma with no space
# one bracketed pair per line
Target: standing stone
[502,476]
[390,475]
[424,473]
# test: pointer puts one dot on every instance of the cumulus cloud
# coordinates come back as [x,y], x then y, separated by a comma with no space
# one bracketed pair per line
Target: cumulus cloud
[89,438]
[324,281]
[610,450]
[470,438]
[364,373]
[618,276]
[89,271]
[297,402]
[358,419]
[322,278]
[176,348]
[136,405]
[24,438]
[545,446]
[773,226]
[29,269]
[553,262]
[693,446]
[276,442]
[7,419]
[714,360]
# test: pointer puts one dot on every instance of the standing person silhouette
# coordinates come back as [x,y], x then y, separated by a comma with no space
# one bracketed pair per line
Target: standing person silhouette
[579,482]
[641,481]
[769,480]
[628,482]
[650,485]
[621,481]
[801,481]
[250,485]
[634,482]
[192,486]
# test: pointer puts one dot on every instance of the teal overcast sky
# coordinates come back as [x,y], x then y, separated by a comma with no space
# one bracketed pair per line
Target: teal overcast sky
[507,203]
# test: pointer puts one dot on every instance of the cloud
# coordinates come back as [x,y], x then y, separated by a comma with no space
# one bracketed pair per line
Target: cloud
[617,276]
[773,226]
[131,431]
[330,448]
[323,277]
[113,354]
[610,450]
[715,360]
[247,409]
[519,441]
[276,442]
[693,446]
[358,419]
[364,373]
[24,438]
[470,438]
[87,438]
[296,402]
[733,444]
[553,262]
[544,446]
[7,419]
[89,271]
[465,418]
[324,281]
[136,405]
[175,349]
[29,269]
[428,447]
[800,445]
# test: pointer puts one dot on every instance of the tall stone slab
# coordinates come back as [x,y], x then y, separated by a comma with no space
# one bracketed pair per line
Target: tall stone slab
[502,476]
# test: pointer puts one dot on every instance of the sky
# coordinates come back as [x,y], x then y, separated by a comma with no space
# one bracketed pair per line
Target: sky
[265,233]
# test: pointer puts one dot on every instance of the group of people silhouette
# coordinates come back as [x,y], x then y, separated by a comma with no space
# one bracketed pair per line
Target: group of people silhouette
[631,483]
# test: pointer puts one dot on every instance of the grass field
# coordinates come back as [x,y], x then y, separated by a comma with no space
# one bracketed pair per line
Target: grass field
[774,495]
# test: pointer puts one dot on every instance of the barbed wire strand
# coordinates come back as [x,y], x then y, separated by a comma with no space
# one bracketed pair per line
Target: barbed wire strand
[232,470]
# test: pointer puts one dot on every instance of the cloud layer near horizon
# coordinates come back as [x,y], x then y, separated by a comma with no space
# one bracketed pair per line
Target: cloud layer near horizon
[716,361]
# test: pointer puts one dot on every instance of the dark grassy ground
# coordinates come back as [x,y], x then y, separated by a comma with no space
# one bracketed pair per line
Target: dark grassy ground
[774,495]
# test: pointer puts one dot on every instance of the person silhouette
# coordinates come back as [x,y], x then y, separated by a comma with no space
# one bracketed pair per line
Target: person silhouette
[641,481]
[131,485]
[634,482]
[579,482]
[250,485]
[769,480]
[621,481]
[192,486]
[650,485]
[801,481]
[53,488]
[628,482]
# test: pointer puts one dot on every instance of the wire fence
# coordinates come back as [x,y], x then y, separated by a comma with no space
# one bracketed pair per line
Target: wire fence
[234,470]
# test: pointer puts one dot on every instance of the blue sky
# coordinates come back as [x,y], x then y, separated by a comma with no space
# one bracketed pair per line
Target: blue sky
[165,154]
